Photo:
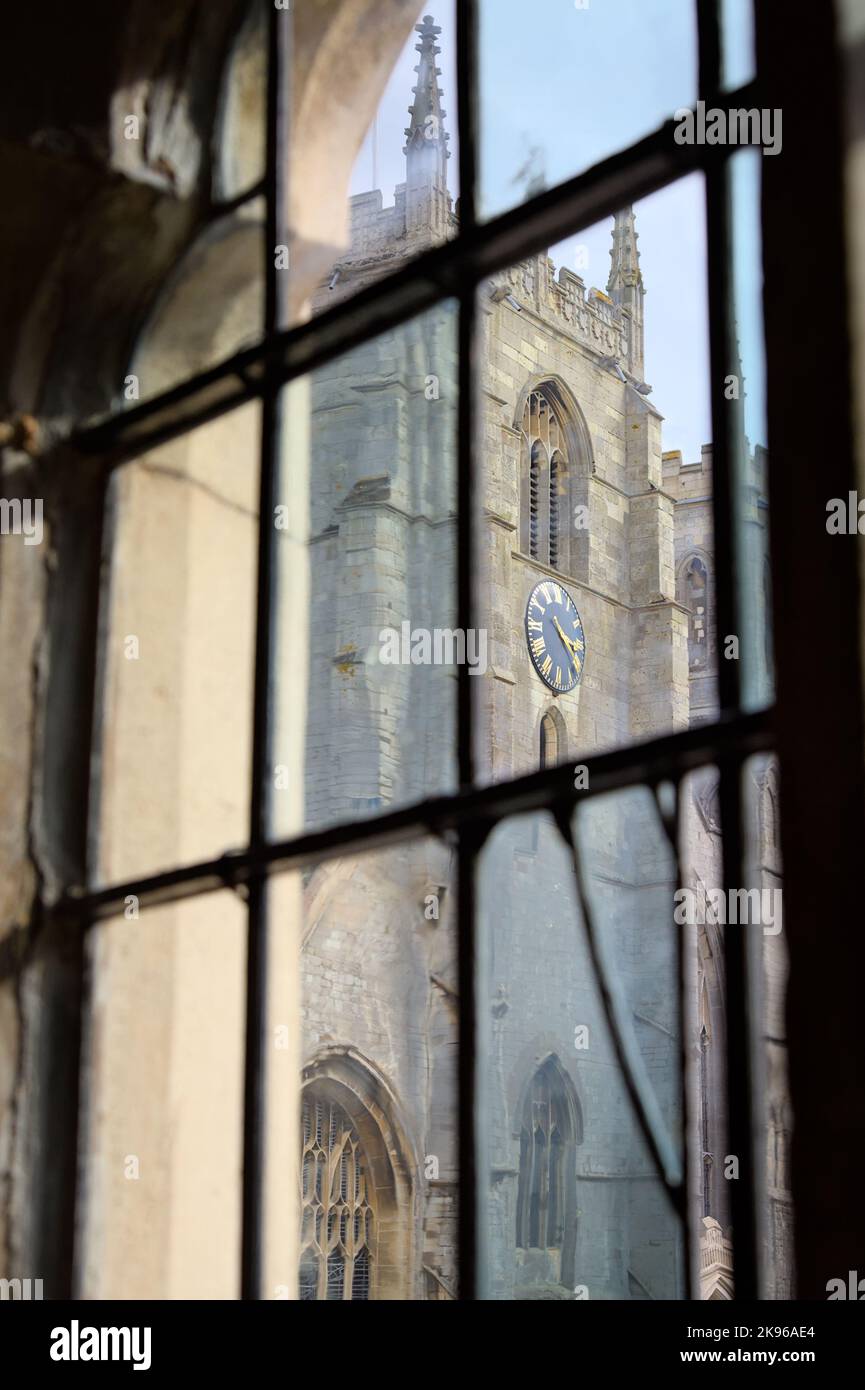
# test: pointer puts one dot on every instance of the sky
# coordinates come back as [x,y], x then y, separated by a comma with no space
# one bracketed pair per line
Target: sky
[563,84]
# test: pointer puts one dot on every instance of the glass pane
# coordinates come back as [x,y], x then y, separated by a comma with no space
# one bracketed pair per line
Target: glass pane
[366,643]
[378,1144]
[573,1208]
[737,42]
[746,394]
[209,306]
[764,876]
[704,926]
[163,1076]
[174,718]
[403,186]
[563,85]
[595,540]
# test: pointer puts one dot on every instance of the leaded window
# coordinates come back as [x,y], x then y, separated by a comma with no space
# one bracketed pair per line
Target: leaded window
[546,1146]
[337,1228]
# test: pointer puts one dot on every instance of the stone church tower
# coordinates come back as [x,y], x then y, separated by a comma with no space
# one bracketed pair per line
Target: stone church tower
[577,497]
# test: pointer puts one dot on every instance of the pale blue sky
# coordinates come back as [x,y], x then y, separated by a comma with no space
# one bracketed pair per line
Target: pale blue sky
[562,87]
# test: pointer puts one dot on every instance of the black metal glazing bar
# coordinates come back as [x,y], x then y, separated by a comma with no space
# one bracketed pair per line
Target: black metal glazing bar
[671,821]
[254,1118]
[468,463]
[727,615]
[669,756]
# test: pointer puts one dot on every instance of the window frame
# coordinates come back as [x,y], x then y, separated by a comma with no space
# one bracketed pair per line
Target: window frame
[457,269]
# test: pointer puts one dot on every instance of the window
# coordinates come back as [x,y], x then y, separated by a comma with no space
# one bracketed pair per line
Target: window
[545,465]
[695,596]
[552,739]
[337,1227]
[556,462]
[545,1195]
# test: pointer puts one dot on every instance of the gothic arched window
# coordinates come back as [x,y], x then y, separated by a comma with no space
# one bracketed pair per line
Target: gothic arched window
[545,1193]
[338,1221]
[545,460]
[696,597]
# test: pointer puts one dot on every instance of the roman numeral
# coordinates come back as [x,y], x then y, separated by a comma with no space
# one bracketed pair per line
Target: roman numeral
[557,594]
[547,666]
[535,626]
[558,677]
[538,646]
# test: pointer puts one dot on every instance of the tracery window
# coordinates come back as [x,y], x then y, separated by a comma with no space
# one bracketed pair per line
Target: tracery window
[546,1159]
[545,460]
[338,1223]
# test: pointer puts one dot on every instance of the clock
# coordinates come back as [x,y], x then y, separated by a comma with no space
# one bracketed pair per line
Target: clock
[555,637]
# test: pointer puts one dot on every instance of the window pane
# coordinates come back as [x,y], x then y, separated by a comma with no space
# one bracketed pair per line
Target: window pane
[595,532]
[204,274]
[746,393]
[572,1207]
[566,84]
[366,648]
[764,872]
[378,1144]
[403,185]
[163,1076]
[737,42]
[178,614]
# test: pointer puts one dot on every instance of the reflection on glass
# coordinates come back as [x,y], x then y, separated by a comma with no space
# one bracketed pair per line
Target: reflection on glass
[367,646]
[378,1143]
[178,616]
[163,1069]
[566,84]
[746,395]
[595,535]
[572,1207]
[763,871]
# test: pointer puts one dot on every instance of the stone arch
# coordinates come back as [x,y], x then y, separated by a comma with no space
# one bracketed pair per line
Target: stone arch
[342,1075]
[694,591]
[563,471]
[552,739]
[550,1128]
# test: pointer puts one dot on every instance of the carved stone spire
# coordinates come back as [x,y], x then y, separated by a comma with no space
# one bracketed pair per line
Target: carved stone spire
[625,285]
[426,149]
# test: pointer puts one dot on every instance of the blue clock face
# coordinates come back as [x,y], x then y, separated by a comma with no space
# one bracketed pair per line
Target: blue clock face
[554,633]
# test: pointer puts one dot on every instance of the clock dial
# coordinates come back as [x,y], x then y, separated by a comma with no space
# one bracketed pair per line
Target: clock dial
[555,637]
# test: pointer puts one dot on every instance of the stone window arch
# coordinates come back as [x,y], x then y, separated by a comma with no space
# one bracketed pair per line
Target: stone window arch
[555,465]
[356,1190]
[552,740]
[546,1193]
[694,595]
[545,460]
